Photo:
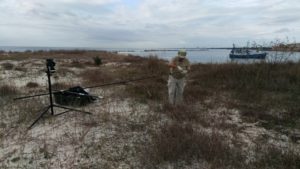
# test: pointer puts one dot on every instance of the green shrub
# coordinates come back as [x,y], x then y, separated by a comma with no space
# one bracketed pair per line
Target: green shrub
[97,60]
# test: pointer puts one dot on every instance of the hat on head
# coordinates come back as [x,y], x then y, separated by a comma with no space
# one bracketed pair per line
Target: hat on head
[182,52]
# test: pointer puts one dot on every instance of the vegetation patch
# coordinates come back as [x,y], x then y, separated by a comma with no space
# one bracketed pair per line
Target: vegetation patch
[273,157]
[61,86]
[8,90]
[7,66]
[21,69]
[179,141]
[32,85]
[97,60]
[181,113]
[151,89]
[255,89]
[98,76]
[154,88]
[77,63]
[29,111]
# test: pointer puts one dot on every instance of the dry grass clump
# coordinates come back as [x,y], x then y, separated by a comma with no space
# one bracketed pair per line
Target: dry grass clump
[7,66]
[155,66]
[8,90]
[185,112]
[272,157]
[151,89]
[32,85]
[131,59]
[179,141]
[29,112]
[77,63]
[21,69]
[64,71]
[154,88]
[194,92]
[109,57]
[144,67]
[61,86]
[94,77]
[149,66]
[189,112]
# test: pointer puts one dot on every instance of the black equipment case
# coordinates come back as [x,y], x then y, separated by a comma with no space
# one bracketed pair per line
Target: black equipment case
[75,96]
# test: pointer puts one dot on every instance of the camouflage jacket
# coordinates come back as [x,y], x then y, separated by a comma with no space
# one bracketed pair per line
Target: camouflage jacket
[177,66]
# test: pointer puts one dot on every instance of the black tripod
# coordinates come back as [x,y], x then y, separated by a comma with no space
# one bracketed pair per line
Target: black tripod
[50,69]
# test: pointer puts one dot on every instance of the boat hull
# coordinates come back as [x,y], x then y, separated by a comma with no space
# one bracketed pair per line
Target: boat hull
[248,56]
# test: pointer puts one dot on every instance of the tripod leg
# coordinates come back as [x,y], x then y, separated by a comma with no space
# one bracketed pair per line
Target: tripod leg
[71,109]
[62,113]
[40,116]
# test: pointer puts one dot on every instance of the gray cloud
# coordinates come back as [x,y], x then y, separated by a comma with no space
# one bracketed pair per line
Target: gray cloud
[168,23]
[284,20]
[282,30]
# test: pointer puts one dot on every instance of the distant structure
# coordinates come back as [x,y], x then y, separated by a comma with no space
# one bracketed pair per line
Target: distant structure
[246,53]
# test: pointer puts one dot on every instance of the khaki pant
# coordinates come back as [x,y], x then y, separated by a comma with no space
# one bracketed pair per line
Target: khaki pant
[176,87]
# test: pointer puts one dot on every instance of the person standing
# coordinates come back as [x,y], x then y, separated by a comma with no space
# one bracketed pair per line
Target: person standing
[179,67]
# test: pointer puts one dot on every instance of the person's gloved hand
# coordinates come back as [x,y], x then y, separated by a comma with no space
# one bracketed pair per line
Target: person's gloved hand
[179,68]
[182,70]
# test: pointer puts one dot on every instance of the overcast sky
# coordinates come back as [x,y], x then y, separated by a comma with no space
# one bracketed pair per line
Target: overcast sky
[146,23]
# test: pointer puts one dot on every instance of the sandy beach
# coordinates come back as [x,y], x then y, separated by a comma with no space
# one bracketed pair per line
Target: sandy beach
[220,126]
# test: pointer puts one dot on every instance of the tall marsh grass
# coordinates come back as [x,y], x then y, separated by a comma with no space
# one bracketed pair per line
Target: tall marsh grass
[154,88]
[255,89]
[177,141]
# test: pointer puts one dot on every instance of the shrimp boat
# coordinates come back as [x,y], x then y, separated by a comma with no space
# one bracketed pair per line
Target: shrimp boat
[245,53]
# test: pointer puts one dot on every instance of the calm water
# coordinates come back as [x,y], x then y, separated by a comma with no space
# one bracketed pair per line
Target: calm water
[200,56]
[195,56]
[217,56]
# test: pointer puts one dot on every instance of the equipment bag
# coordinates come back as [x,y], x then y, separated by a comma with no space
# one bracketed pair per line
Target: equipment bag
[74,96]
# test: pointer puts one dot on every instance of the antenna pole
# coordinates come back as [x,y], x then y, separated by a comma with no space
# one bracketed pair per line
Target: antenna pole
[50,90]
